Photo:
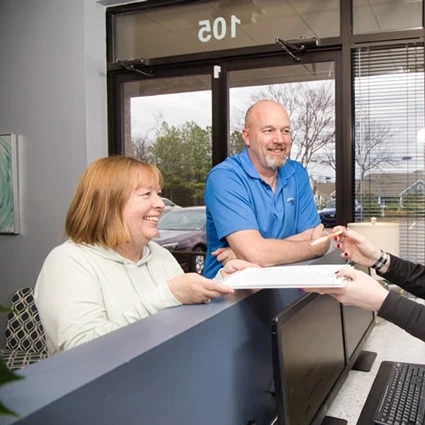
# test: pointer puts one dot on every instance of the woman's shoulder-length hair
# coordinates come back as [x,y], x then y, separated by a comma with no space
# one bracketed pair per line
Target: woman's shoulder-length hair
[95,214]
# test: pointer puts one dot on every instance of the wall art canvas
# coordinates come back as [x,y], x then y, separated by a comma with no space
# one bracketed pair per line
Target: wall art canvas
[9,212]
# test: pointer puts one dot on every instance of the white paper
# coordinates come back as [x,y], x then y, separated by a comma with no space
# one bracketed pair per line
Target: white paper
[306,276]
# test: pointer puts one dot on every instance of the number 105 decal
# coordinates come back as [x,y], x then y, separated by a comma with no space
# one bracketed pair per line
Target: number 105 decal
[217,29]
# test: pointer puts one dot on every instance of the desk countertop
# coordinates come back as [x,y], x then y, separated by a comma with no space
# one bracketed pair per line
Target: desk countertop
[390,343]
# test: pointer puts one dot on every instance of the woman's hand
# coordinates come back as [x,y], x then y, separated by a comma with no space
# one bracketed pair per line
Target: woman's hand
[356,247]
[192,288]
[360,290]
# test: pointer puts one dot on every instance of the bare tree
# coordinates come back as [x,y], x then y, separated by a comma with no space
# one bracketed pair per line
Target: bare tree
[140,148]
[372,147]
[372,143]
[236,143]
[140,144]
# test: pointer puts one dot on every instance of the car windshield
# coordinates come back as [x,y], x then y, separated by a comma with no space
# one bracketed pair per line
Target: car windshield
[167,202]
[331,204]
[182,220]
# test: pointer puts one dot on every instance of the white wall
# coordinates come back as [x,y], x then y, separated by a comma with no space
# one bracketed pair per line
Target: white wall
[53,96]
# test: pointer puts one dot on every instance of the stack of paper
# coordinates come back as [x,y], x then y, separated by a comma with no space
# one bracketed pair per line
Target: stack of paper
[306,276]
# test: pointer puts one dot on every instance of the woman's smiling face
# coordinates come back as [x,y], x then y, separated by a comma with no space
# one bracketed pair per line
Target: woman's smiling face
[141,213]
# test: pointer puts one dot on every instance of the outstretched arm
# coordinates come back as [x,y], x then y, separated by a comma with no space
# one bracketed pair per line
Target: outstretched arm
[249,245]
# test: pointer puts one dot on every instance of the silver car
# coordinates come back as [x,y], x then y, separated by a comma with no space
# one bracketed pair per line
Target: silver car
[183,232]
[169,205]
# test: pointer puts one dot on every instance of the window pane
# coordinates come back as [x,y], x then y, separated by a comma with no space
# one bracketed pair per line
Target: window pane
[168,123]
[371,16]
[389,140]
[220,25]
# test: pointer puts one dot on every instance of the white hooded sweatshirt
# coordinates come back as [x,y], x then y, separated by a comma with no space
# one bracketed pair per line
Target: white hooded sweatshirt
[85,291]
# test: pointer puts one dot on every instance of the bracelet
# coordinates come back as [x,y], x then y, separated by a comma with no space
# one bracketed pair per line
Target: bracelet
[381,261]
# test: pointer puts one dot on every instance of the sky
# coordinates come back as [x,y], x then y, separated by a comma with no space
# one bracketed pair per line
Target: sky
[179,108]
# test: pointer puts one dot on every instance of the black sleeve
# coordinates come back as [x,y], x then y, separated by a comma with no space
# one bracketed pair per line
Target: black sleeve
[407,275]
[405,313]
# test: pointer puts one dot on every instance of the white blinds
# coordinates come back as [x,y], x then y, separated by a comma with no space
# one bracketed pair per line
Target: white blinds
[388,140]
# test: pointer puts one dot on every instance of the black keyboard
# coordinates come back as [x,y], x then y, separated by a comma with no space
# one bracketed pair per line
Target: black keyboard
[403,399]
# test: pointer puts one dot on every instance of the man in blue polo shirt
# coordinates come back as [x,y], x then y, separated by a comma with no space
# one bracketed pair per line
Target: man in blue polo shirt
[260,206]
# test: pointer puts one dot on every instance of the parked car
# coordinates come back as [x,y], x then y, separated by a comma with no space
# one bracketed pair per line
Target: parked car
[328,213]
[182,231]
[169,205]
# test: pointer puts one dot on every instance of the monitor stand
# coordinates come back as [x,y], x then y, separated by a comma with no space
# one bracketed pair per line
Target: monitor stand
[330,420]
[364,361]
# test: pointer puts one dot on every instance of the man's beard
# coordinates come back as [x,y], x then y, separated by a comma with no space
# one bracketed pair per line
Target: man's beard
[275,163]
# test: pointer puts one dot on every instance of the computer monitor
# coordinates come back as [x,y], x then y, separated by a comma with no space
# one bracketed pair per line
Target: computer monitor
[309,363]
[357,325]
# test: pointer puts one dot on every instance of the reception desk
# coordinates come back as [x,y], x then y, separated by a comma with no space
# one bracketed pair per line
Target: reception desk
[202,364]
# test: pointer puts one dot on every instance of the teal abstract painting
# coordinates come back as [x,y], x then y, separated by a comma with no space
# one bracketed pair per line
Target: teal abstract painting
[9,214]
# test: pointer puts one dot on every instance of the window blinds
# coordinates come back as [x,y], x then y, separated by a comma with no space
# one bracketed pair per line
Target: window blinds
[388,140]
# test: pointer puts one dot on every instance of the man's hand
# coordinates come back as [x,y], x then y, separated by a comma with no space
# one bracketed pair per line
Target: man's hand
[224,255]
[309,234]
[318,232]
[235,265]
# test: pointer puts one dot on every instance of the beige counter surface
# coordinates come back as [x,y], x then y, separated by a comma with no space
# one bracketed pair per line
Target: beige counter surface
[390,343]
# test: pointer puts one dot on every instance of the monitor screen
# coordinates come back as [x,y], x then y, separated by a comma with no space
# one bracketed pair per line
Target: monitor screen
[308,359]
[357,325]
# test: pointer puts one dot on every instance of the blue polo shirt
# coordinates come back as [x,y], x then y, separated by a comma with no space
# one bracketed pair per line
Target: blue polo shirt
[238,199]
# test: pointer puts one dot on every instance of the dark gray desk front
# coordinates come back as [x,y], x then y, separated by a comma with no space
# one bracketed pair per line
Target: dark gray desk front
[202,364]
